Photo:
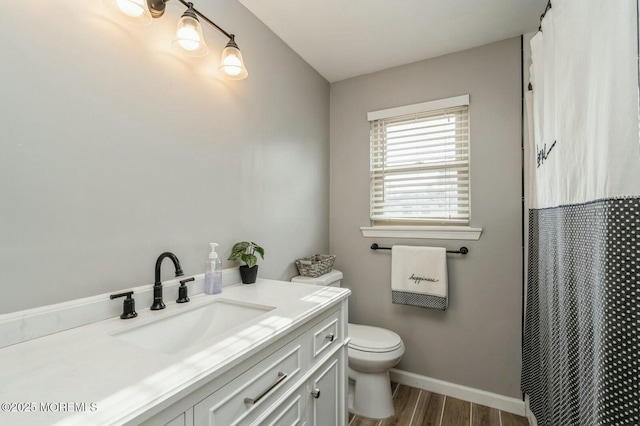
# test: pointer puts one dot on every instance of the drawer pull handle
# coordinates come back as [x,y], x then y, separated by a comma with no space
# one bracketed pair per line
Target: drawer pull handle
[251,401]
[315,393]
[330,337]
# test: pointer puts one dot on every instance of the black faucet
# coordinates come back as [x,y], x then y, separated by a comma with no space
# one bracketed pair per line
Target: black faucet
[157,286]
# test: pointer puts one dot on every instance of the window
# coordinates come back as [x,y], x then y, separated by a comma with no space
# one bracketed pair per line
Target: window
[420,164]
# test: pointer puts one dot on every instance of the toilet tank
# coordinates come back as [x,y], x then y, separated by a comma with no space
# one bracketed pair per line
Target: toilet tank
[332,279]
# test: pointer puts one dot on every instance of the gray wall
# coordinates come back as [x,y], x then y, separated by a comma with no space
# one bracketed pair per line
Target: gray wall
[115,148]
[476,342]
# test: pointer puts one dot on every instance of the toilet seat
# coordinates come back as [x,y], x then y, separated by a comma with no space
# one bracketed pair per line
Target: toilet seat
[370,339]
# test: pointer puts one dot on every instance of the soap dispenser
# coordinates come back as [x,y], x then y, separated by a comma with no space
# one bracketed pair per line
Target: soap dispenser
[213,273]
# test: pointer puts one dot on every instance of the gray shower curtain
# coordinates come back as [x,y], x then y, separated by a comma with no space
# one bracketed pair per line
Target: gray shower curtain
[581,344]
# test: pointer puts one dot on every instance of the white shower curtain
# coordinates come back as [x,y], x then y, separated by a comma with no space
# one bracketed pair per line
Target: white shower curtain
[581,348]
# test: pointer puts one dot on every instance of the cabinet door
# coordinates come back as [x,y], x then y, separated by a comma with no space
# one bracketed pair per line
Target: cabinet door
[325,395]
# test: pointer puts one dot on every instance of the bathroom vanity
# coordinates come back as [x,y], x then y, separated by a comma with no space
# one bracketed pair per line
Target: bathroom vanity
[267,353]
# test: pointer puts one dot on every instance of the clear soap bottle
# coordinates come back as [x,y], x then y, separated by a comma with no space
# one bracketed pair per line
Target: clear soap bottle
[213,273]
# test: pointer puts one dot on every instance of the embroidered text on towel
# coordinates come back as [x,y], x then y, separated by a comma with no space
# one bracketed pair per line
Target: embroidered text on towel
[417,280]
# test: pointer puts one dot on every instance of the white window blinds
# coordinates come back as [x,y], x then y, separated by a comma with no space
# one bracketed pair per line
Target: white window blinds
[420,163]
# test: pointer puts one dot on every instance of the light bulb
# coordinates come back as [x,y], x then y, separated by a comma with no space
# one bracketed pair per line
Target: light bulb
[231,62]
[189,34]
[188,38]
[132,8]
[232,65]
[134,11]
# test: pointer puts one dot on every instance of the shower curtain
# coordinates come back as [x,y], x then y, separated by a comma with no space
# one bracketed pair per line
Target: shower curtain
[581,343]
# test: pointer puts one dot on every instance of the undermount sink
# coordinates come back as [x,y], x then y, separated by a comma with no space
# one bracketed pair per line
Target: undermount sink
[175,333]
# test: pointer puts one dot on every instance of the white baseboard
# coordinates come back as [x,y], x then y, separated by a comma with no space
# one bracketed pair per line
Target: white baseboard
[527,409]
[477,396]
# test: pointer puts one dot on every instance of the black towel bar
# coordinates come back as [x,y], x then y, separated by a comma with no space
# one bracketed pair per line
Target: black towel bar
[463,250]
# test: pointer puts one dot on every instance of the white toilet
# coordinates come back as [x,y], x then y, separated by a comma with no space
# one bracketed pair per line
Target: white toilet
[372,352]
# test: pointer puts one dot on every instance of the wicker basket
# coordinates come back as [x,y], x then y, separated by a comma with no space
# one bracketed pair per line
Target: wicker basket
[316,265]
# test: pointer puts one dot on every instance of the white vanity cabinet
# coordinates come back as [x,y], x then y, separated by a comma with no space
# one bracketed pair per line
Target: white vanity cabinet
[327,394]
[300,379]
[320,401]
[264,368]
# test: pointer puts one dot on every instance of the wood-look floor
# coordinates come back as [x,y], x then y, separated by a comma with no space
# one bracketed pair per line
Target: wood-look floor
[417,407]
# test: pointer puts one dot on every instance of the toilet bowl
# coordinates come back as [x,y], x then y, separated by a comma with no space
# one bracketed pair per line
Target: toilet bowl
[372,351]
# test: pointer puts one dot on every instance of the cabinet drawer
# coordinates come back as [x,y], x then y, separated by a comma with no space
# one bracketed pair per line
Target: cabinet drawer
[325,335]
[248,394]
[178,421]
[290,412]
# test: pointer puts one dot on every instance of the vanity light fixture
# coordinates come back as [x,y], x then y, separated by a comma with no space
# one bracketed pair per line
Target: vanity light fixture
[189,32]
[231,63]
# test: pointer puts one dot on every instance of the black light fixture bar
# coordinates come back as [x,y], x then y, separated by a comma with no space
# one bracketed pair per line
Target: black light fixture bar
[156,8]
[209,21]
[231,63]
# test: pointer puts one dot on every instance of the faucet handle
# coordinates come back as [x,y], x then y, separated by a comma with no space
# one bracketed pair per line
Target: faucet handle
[183,291]
[129,305]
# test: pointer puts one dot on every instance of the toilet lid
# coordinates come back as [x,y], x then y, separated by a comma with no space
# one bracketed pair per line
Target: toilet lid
[373,339]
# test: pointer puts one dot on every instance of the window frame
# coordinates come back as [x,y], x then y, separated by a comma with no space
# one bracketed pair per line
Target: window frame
[391,129]
[421,228]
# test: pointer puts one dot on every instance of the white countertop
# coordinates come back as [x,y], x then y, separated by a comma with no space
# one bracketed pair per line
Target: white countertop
[86,376]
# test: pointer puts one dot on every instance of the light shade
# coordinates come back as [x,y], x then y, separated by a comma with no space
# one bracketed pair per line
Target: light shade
[189,34]
[133,10]
[231,63]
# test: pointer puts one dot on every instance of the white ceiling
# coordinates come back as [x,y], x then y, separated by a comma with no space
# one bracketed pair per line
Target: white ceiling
[346,38]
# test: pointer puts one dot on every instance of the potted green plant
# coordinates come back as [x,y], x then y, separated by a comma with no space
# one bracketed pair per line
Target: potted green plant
[245,251]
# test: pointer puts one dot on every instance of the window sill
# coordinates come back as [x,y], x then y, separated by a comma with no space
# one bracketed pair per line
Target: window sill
[430,232]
